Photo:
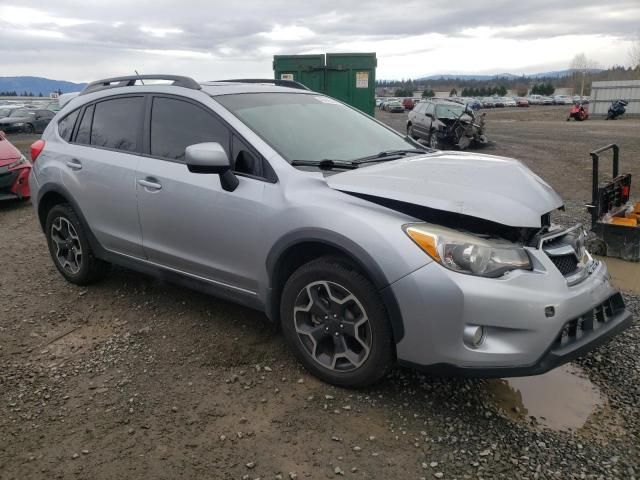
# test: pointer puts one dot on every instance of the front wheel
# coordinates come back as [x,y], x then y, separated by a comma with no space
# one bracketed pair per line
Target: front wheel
[411,133]
[28,128]
[336,324]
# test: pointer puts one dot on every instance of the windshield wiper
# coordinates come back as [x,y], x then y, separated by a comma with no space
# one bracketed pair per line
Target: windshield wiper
[325,164]
[387,155]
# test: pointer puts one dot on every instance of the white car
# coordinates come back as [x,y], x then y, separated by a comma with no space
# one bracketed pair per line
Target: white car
[562,100]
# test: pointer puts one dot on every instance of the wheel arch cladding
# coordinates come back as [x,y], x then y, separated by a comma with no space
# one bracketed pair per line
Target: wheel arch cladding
[302,246]
[51,195]
[46,202]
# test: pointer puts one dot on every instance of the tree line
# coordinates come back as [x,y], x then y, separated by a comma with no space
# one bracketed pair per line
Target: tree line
[543,89]
[499,90]
[580,75]
[14,93]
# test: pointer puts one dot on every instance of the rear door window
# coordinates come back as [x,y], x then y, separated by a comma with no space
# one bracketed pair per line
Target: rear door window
[46,114]
[176,124]
[430,109]
[117,123]
[65,126]
[84,129]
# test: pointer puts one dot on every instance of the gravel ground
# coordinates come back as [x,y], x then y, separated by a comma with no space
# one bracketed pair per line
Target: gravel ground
[134,378]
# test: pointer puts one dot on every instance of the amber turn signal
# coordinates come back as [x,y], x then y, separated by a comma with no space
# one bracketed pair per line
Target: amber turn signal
[427,242]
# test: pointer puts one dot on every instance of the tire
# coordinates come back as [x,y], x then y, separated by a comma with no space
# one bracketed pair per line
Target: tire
[28,128]
[371,350]
[411,133]
[81,267]
[433,141]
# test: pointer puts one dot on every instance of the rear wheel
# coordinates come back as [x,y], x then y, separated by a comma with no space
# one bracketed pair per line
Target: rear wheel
[336,323]
[28,128]
[69,247]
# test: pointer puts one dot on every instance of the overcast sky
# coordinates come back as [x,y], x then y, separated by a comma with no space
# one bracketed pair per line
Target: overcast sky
[86,39]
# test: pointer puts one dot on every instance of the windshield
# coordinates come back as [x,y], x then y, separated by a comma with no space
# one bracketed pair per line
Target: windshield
[449,111]
[20,113]
[4,112]
[312,127]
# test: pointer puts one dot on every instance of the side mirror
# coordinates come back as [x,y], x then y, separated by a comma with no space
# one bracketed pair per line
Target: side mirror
[211,158]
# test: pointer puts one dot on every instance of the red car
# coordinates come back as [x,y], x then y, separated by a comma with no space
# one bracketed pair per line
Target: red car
[14,171]
[522,102]
[408,104]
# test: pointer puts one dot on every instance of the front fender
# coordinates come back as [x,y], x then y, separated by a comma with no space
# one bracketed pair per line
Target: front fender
[350,249]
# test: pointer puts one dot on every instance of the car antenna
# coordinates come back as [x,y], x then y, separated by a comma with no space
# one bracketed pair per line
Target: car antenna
[141,81]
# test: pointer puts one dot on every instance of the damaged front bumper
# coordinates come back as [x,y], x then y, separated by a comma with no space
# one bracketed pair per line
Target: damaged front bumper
[14,183]
[532,321]
[462,135]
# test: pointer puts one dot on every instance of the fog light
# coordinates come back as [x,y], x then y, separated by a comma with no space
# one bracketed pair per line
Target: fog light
[473,335]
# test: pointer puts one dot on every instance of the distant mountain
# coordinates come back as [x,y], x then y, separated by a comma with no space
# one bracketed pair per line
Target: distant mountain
[38,85]
[453,76]
[509,76]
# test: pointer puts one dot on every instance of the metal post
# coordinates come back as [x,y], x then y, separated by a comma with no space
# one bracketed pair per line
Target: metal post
[595,155]
[594,190]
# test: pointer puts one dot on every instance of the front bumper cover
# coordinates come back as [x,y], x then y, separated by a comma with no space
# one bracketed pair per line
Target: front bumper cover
[552,358]
[437,304]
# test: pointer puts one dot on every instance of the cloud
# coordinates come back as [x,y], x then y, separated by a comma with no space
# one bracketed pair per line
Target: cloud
[210,39]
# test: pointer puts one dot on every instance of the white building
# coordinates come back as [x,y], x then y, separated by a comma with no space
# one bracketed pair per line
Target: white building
[603,93]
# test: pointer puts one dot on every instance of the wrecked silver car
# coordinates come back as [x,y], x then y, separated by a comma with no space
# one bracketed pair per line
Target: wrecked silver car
[366,249]
[445,123]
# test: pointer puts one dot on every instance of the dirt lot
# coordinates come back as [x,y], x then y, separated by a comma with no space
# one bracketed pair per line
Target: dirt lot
[133,378]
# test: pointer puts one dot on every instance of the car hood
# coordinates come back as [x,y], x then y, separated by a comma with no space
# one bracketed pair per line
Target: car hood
[497,189]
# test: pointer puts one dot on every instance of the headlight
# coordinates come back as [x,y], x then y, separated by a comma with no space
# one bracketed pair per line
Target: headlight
[467,253]
[17,163]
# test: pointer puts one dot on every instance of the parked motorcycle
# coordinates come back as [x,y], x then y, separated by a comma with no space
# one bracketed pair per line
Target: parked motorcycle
[578,112]
[616,109]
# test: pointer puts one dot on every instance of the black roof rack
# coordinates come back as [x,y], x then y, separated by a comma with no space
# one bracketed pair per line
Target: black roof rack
[129,81]
[274,81]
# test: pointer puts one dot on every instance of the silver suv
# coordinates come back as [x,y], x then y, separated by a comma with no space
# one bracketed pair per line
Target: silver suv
[366,247]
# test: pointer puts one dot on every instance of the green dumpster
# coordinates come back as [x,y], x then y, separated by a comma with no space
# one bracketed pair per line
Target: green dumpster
[349,77]
[306,69]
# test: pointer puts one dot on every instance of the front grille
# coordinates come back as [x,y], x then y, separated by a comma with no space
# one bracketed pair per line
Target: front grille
[566,251]
[7,179]
[589,322]
[567,264]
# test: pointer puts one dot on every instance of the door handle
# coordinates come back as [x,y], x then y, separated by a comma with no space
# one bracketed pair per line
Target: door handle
[149,184]
[74,164]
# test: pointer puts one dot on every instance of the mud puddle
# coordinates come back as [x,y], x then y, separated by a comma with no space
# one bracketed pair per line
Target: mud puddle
[562,399]
[624,275]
